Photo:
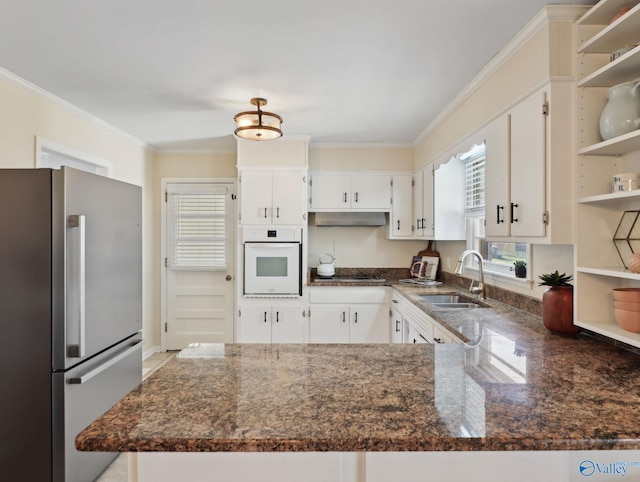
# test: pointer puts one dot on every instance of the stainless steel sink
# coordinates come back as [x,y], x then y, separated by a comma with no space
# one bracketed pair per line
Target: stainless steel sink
[452,300]
[458,305]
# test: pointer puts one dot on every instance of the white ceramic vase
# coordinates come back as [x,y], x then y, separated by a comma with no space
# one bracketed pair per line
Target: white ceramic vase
[622,112]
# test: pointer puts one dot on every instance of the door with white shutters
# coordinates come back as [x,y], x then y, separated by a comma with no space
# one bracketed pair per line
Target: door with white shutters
[198,263]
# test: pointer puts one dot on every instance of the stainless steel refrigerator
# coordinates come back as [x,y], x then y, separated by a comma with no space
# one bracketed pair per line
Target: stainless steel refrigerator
[70,316]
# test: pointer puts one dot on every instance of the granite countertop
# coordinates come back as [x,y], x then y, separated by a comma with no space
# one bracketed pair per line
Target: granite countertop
[511,385]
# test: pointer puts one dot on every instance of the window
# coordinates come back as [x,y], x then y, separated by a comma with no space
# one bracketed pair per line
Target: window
[197,230]
[498,256]
[474,181]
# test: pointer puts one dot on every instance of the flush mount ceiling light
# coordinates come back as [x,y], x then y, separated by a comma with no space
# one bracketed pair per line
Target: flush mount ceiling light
[258,125]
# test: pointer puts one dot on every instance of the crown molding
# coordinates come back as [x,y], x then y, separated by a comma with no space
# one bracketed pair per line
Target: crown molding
[30,87]
[361,145]
[548,14]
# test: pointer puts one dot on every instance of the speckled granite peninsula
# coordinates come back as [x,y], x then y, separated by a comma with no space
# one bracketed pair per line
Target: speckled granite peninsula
[511,386]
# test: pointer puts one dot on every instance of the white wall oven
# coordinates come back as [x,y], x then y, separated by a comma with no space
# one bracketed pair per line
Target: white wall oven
[272,262]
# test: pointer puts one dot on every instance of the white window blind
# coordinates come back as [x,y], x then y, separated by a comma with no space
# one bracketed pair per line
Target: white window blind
[197,228]
[474,160]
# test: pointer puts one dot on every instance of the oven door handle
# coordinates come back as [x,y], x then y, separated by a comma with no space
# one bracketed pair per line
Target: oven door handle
[272,245]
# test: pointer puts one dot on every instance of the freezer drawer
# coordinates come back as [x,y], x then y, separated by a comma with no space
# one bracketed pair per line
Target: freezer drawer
[80,396]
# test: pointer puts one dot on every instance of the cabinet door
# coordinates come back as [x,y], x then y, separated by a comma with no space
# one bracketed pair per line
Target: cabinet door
[256,197]
[329,324]
[287,324]
[369,323]
[371,191]
[427,201]
[288,197]
[330,191]
[401,215]
[449,198]
[440,335]
[528,161]
[254,324]
[418,205]
[397,326]
[497,177]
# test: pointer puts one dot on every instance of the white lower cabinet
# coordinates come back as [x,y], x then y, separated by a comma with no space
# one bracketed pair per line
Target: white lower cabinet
[270,324]
[349,315]
[495,466]
[397,326]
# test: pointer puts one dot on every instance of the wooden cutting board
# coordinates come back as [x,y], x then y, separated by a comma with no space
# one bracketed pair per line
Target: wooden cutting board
[433,253]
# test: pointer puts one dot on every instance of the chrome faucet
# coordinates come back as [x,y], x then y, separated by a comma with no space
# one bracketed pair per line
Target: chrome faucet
[479,290]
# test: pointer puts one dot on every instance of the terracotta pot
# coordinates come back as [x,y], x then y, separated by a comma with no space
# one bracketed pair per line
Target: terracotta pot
[557,310]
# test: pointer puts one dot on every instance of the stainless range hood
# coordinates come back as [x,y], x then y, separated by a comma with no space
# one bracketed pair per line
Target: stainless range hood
[350,219]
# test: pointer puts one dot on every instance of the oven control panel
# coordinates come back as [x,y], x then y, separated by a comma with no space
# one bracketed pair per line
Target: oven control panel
[251,234]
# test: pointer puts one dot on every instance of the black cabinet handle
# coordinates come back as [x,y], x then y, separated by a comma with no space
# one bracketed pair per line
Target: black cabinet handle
[265,316]
[498,209]
[277,317]
[345,197]
[344,317]
[438,340]
[277,212]
[397,326]
[356,197]
[265,213]
[356,317]
[513,210]
[398,225]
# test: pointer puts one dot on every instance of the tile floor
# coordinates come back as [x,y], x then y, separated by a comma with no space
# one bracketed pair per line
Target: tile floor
[118,471]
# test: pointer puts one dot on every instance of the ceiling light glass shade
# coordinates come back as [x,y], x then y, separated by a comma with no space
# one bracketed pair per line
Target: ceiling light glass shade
[258,125]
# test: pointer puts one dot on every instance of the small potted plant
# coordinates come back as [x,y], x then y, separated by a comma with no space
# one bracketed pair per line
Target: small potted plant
[520,268]
[557,303]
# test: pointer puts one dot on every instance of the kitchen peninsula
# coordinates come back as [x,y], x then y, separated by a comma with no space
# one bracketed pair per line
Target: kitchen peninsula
[511,386]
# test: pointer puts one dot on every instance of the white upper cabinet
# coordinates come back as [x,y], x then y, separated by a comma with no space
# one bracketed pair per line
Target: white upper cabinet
[401,207]
[527,206]
[272,196]
[422,222]
[515,169]
[273,182]
[438,201]
[449,200]
[497,192]
[350,191]
[528,169]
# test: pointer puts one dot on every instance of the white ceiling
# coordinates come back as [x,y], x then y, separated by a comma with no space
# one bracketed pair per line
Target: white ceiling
[174,72]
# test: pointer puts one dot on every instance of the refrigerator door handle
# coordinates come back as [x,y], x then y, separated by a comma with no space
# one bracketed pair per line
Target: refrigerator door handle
[78,221]
[96,371]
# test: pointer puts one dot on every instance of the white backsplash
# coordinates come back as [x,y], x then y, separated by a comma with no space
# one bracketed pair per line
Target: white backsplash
[360,247]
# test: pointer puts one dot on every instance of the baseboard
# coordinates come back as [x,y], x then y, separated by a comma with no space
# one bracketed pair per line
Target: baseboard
[150,351]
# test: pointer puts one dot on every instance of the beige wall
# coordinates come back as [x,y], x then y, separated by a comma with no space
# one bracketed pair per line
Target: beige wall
[166,165]
[546,55]
[361,158]
[28,112]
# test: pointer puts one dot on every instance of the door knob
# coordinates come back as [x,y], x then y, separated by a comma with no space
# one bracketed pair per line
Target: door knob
[228,278]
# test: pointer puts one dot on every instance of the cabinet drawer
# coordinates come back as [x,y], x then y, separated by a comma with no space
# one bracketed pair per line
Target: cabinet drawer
[349,295]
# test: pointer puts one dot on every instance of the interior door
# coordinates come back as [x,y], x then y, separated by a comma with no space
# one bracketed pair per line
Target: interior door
[199,263]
